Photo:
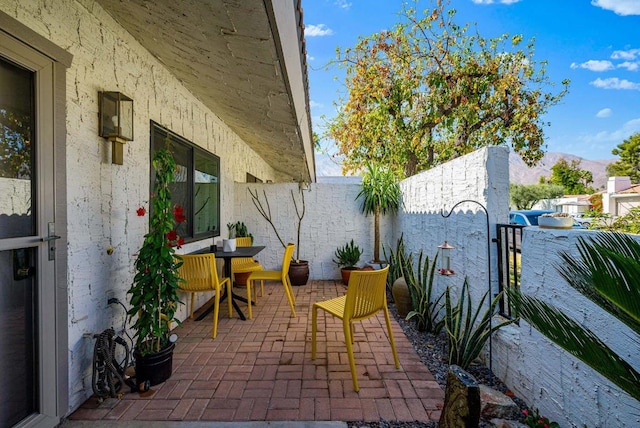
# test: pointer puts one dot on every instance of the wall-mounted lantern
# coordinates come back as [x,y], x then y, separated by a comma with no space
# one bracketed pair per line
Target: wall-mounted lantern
[116,122]
[445,259]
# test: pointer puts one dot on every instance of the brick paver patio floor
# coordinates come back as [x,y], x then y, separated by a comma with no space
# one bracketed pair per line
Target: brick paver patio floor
[261,370]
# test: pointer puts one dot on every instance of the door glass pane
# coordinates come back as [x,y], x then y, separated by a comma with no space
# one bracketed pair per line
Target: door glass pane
[18,393]
[206,194]
[16,151]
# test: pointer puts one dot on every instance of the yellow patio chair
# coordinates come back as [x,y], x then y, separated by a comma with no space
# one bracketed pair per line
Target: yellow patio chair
[276,275]
[366,296]
[246,264]
[200,275]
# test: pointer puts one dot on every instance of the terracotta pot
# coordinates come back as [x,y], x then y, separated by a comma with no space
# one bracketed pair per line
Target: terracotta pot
[401,297]
[346,274]
[299,272]
[241,278]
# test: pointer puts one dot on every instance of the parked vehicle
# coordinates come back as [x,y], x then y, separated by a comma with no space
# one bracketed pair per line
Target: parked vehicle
[527,217]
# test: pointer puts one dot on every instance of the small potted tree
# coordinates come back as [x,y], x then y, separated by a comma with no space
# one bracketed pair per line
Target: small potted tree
[347,257]
[154,293]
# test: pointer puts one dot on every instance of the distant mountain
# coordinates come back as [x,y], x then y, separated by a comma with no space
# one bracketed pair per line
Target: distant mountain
[520,173]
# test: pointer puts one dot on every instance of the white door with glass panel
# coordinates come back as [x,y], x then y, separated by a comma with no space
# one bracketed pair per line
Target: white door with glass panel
[27,237]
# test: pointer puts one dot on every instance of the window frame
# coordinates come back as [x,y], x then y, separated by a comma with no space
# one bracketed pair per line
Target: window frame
[193,150]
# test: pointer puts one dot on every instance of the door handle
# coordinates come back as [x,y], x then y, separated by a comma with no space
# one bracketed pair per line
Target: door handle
[50,238]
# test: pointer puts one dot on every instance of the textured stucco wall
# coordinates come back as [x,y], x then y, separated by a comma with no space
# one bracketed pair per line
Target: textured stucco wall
[562,387]
[332,218]
[482,176]
[102,197]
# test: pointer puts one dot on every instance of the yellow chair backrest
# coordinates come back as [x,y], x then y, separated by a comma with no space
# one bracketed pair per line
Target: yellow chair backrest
[245,241]
[199,272]
[366,293]
[286,260]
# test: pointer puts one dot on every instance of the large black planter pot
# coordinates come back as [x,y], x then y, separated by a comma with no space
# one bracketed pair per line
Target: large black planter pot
[156,368]
[299,272]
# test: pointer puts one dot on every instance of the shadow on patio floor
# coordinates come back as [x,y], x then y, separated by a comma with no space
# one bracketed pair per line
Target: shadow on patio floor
[261,370]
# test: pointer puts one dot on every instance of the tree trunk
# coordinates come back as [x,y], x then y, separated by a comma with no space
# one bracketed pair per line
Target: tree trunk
[376,235]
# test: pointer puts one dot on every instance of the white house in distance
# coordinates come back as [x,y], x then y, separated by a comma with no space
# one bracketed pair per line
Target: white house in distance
[621,196]
[225,81]
[618,199]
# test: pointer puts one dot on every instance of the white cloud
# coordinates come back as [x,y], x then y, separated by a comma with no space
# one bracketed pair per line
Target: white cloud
[620,7]
[313,104]
[629,65]
[594,65]
[628,55]
[317,30]
[615,83]
[495,1]
[616,136]
[605,112]
[343,4]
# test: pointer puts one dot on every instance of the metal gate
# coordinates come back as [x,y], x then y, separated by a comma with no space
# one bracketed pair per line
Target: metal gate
[509,237]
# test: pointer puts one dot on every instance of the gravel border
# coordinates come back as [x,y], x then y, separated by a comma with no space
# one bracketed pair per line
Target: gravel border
[434,353]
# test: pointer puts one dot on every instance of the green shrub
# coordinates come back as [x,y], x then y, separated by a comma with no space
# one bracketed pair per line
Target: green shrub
[348,256]
[466,335]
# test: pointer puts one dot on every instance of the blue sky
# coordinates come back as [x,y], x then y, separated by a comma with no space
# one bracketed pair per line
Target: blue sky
[594,43]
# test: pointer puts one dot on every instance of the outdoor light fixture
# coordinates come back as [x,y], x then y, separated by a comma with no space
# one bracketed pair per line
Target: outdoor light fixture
[445,259]
[116,122]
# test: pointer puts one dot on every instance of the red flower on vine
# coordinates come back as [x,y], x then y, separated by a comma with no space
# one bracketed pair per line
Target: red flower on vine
[178,214]
[141,212]
[172,235]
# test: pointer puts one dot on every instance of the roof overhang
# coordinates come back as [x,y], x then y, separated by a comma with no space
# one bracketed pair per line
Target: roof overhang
[245,60]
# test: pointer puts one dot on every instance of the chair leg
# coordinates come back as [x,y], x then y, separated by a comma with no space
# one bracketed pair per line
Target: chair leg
[288,289]
[192,303]
[229,299]
[216,312]
[249,313]
[393,343]
[346,324]
[314,329]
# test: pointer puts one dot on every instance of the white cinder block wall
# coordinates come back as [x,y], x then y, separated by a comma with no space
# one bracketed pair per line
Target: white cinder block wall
[102,197]
[562,387]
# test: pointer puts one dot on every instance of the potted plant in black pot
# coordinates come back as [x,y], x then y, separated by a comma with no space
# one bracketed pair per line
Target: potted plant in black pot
[347,258]
[154,293]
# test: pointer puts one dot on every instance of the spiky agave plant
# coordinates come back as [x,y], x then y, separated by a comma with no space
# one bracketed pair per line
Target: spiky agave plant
[607,273]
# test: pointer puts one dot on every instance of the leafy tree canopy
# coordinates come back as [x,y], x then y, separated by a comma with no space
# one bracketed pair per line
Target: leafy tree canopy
[429,90]
[629,163]
[569,175]
[525,196]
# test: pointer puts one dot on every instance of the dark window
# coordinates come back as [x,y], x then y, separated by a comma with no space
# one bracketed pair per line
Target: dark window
[252,179]
[196,185]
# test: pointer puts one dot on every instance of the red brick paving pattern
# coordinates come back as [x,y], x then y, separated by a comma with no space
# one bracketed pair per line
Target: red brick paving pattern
[261,370]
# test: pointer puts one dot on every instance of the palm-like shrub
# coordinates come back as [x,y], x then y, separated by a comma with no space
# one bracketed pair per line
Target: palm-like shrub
[607,273]
[380,194]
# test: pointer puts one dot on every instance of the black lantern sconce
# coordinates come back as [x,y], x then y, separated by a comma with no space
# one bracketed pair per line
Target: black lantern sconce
[116,122]
[445,259]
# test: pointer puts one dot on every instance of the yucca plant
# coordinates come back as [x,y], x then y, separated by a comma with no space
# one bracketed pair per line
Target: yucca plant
[399,261]
[427,310]
[465,334]
[607,273]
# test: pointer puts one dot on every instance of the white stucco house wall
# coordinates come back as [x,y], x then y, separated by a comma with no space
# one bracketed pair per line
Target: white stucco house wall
[621,196]
[228,77]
